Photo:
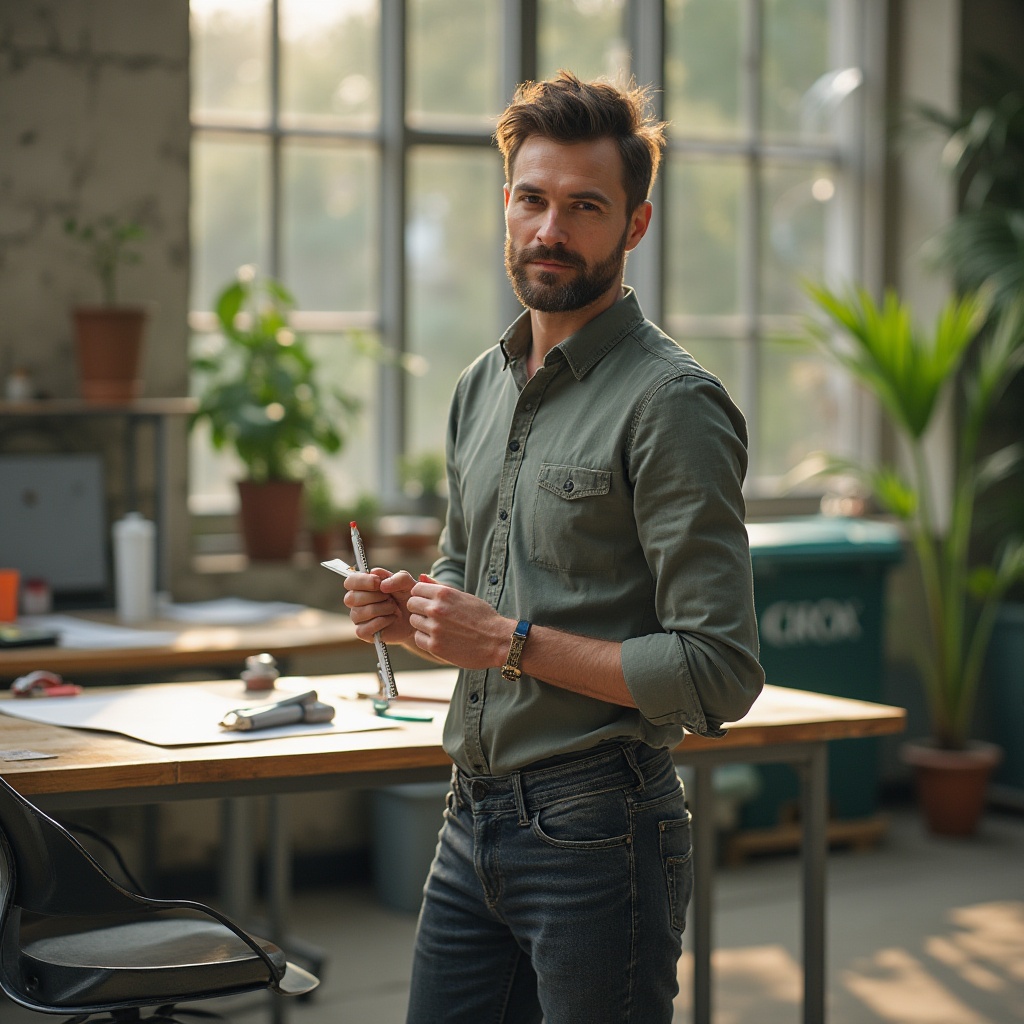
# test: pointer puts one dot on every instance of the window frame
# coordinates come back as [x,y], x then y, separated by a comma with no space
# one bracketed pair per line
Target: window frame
[858,27]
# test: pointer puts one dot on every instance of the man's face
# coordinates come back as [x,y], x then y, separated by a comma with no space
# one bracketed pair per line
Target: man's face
[567,226]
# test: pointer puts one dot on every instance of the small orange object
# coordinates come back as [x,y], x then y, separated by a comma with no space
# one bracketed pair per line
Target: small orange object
[43,683]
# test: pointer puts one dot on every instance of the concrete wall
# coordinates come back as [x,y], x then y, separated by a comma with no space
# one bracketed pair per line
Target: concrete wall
[93,121]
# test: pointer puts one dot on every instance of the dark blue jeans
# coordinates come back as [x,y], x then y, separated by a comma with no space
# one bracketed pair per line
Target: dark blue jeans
[557,894]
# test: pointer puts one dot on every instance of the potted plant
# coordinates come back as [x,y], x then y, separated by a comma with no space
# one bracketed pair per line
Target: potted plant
[364,510]
[983,245]
[322,518]
[422,476]
[908,372]
[108,337]
[261,394]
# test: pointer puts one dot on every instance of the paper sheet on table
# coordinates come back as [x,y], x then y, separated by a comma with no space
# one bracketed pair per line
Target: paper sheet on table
[84,633]
[187,714]
[229,611]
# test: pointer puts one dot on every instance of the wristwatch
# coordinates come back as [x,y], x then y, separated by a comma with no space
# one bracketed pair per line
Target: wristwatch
[511,670]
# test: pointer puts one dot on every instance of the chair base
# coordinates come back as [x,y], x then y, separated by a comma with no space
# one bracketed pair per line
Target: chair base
[169,1014]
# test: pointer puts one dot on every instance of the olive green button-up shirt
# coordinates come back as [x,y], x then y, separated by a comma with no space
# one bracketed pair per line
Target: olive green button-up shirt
[602,498]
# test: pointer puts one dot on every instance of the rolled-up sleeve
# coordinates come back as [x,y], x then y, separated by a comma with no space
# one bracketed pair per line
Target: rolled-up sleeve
[687,460]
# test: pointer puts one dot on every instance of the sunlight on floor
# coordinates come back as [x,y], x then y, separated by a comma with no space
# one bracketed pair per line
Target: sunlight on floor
[754,983]
[984,949]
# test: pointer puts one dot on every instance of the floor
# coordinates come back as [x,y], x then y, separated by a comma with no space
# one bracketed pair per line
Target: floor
[921,931]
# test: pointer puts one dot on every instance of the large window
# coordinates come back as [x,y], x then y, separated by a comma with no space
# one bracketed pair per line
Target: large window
[345,147]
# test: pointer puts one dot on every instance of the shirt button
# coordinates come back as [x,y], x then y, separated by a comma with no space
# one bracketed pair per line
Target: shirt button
[474,697]
[513,446]
[568,485]
[479,790]
[493,578]
[502,515]
[528,406]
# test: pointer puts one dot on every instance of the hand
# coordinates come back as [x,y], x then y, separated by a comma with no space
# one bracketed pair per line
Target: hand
[377,602]
[457,627]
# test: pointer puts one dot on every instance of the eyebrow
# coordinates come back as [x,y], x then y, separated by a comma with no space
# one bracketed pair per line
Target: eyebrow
[591,195]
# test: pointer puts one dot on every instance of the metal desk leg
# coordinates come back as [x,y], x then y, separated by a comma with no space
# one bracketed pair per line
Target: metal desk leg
[814,801]
[703,877]
[237,876]
[279,868]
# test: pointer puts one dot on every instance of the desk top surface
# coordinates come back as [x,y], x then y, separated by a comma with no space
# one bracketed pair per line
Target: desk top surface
[310,630]
[89,761]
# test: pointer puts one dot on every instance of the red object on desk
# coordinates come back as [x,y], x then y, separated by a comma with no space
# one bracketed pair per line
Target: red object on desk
[43,683]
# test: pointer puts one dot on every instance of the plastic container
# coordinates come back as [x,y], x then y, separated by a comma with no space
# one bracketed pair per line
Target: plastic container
[135,568]
[406,821]
[819,592]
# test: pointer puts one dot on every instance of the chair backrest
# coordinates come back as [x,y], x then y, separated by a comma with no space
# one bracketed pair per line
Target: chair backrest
[52,871]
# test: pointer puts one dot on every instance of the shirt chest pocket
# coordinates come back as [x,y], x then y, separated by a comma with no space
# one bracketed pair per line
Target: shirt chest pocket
[577,522]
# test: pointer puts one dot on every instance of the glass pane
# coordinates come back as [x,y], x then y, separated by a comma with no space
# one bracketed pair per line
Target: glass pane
[795,58]
[702,67]
[704,200]
[353,471]
[795,200]
[801,401]
[231,58]
[587,37]
[453,63]
[229,211]
[454,241]
[330,74]
[330,229]
[722,357]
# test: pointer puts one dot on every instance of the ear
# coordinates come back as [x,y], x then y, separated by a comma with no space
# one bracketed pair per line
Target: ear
[508,193]
[639,222]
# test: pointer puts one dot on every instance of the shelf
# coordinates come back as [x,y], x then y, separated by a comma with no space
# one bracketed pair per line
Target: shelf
[80,407]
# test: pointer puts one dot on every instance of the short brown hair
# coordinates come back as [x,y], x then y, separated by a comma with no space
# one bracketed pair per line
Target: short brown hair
[567,110]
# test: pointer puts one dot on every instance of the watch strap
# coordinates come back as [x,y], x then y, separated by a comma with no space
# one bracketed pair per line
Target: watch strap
[511,670]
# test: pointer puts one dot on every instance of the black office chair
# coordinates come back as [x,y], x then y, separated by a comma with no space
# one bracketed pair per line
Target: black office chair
[73,941]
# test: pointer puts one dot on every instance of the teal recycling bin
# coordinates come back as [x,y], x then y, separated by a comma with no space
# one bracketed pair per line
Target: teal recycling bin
[819,592]
[1002,698]
[406,820]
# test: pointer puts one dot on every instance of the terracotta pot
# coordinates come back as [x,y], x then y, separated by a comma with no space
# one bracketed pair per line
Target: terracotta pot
[108,343]
[270,514]
[324,543]
[952,784]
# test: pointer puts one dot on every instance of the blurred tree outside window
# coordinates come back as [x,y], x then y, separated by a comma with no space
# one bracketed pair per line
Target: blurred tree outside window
[303,155]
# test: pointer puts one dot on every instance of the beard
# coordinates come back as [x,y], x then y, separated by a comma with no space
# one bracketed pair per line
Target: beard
[547,295]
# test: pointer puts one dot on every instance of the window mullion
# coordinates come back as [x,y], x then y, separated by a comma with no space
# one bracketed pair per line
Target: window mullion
[393,296]
[751,230]
[646,266]
[276,187]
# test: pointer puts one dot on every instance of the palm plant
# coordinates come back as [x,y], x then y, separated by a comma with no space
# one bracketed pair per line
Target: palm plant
[984,152]
[909,373]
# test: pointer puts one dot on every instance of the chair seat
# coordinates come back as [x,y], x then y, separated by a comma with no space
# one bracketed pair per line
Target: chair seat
[65,962]
[75,941]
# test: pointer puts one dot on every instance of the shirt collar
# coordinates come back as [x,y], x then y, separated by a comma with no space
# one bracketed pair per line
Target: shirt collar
[589,345]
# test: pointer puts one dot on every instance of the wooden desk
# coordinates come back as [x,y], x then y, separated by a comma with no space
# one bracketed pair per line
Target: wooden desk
[790,726]
[205,647]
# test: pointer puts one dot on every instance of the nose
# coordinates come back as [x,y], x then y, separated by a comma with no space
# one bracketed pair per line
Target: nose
[551,230]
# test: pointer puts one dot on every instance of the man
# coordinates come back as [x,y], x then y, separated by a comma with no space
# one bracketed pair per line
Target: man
[594,588]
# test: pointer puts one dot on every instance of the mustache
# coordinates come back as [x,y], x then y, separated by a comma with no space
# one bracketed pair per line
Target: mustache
[554,253]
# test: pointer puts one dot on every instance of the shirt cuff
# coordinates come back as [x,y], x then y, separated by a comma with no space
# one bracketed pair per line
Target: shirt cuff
[659,680]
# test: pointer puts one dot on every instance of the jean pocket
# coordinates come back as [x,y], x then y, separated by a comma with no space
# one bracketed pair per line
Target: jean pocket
[677,857]
[595,821]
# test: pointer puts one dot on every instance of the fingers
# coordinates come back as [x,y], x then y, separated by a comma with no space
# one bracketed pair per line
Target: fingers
[401,581]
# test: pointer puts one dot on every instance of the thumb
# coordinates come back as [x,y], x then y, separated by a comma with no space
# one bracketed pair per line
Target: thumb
[424,578]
